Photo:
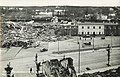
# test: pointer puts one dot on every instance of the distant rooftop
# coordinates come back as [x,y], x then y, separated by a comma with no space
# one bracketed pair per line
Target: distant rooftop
[96,23]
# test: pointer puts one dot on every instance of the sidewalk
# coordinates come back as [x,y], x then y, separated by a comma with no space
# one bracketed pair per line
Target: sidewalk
[90,71]
[99,70]
[12,53]
[22,75]
[83,49]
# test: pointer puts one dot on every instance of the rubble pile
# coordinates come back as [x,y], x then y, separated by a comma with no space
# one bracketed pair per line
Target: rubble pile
[108,73]
[34,31]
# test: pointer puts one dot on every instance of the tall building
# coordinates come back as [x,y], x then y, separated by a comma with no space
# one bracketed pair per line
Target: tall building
[90,28]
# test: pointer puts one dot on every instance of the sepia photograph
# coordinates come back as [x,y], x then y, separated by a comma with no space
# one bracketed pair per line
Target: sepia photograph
[60,41]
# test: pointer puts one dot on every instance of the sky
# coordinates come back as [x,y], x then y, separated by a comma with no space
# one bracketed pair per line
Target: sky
[59,2]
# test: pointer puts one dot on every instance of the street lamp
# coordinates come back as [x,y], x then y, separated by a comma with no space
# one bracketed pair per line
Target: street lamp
[36,56]
[58,45]
[108,49]
[111,39]
[93,44]
[58,40]
[79,58]
[38,64]
[93,41]
[70,31]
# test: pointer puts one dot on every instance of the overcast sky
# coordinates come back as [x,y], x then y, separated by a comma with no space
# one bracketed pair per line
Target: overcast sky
[59,2]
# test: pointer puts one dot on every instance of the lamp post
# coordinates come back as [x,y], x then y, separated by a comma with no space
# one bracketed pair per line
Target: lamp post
[36,56]
[58,45]
[93,44]
[111,39]
[38,64]
[93,41]
[108,50]
[58,40]
[79,58]
[70,31]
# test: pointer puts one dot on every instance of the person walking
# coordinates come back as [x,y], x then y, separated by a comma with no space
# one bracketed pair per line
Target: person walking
[30,70]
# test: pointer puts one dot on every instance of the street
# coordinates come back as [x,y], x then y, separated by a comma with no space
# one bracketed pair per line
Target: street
[23,59]
[94,60]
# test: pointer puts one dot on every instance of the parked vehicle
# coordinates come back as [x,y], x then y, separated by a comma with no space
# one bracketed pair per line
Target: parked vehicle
[86,36]
[87,43]
[43,50]
[102,37]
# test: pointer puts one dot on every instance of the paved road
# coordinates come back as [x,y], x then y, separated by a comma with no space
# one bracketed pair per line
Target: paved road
[25,58]
[94,60]
[12,53]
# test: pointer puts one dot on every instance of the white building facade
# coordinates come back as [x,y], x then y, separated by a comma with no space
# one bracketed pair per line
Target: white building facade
[90,28]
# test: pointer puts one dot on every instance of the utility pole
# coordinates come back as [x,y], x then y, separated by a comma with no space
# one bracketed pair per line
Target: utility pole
[42,66]
[58,40]
[79,58]
[38,64]
[111,39]
[108,50]
[70,31]
[93,41]
[36,56]
[58,44]
[93,44]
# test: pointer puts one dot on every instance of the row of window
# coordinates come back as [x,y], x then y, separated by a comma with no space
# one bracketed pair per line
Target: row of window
[89,27]
[72,27]
[108,27]
[112,27]
[92,33]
